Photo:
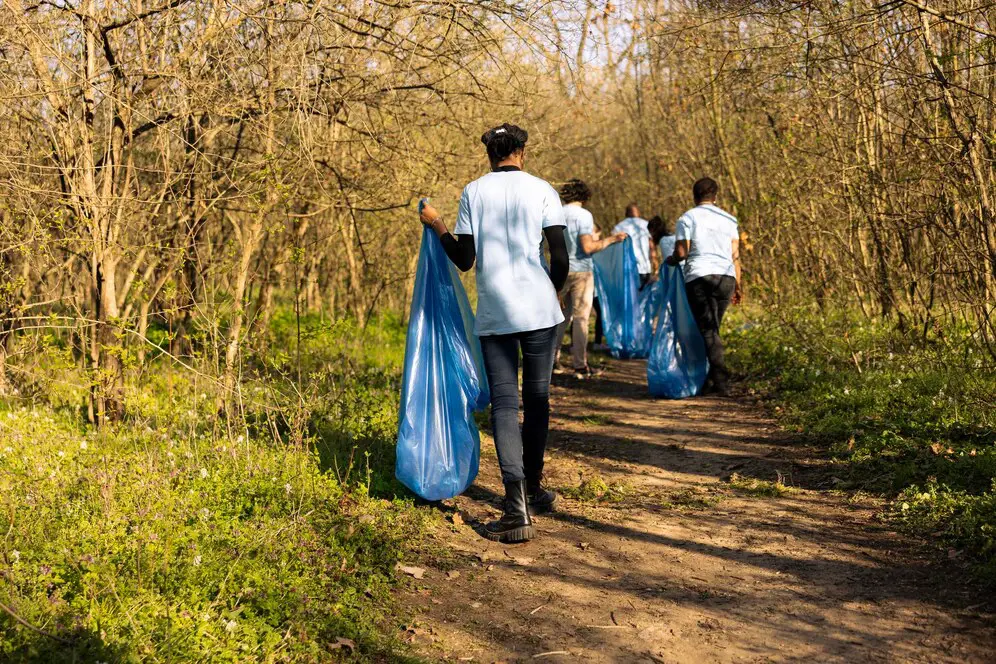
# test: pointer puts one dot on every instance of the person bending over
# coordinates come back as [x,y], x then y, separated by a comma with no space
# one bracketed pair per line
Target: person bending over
[502,219]
[708,241]
[577,296]
[636,227]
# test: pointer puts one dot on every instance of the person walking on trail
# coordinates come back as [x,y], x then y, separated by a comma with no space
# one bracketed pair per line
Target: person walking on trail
[578,294]
[636,227]
[708,240]
[662,235]
[501,221]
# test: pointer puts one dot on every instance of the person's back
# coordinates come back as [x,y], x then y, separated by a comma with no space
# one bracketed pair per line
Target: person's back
[579,222]
[506,212]
[636,228]
[711,232]
[708,241]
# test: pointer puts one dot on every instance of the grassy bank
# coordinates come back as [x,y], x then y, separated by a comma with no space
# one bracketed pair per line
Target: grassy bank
[180,535]
[909,417]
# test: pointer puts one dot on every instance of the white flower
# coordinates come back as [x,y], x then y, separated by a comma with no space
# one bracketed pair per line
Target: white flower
[16,555]
[847,391]
[197,561]
[61,454]
[204,472]
[203,396]
[8,449]
[240,438]
[83,445]
[205,514]
[287,488]
[230,626]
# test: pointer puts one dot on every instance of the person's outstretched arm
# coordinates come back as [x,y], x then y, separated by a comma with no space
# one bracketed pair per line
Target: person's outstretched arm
[459,248]
[590,245]
[559,263]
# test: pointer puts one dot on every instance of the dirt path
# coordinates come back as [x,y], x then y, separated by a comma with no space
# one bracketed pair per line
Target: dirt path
[677,566]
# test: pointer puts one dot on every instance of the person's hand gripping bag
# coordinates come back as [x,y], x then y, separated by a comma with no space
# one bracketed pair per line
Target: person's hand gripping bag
[438,447]
[617,284]
[678,363]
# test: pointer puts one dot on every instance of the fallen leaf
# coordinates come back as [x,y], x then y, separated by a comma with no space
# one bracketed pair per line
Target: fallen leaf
[457,519]
[475,605]
[453,574]
[343,643]
[583,546]
[416,572]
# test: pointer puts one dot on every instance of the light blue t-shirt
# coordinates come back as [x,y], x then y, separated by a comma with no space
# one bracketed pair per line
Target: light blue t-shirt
[579,222]
[636,228]
[506,212]
[666,246]
[711,232]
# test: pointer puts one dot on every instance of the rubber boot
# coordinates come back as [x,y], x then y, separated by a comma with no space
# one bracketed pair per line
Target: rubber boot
[515,524]
[539,500]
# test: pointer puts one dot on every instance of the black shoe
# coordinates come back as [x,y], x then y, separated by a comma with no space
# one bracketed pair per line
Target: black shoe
[515,524]
[540,500]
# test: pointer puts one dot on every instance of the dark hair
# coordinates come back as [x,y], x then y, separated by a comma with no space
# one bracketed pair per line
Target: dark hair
[705,190]
[632,210]
[574,191]
[504,140]
[658,228]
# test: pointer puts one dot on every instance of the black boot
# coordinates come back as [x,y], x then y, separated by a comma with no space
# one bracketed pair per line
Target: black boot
[515,524]
[540,500]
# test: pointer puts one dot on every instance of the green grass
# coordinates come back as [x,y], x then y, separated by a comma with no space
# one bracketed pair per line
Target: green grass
[181,535]
[597,420]
[909,417]
[595,490]
[758,488]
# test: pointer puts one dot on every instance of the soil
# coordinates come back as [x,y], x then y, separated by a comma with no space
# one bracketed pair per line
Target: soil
[677,563]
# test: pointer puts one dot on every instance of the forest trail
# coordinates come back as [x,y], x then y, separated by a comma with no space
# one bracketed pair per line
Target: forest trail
[682,567]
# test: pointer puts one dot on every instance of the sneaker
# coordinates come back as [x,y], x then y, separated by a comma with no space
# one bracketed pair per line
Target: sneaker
[559,370]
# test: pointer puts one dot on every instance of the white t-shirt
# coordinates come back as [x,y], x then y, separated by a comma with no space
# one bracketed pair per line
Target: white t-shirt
[666,246]
[506,212]
[636,228]
[711,232]
[579,222]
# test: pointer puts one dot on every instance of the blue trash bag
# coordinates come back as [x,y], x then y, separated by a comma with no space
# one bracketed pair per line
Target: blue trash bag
[444,382]
[628,330]
[678,363]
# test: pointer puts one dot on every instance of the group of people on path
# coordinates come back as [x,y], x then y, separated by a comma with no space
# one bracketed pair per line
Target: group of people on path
[524,307]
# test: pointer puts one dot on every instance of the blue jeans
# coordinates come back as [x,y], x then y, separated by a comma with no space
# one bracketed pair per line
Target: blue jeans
[520,453]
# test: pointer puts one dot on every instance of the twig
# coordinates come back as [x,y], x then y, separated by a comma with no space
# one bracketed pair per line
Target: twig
[536,609]
[32,627]
[551,653]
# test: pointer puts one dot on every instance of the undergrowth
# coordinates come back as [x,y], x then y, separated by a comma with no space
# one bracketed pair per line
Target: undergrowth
[271,534]
[902,414]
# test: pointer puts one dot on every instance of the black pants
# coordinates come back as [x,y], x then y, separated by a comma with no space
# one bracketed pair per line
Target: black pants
[598,322]
[709,297]
[520,453]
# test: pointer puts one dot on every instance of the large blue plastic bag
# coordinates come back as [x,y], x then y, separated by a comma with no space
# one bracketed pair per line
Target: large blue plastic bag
[438,445]
[628,330]
[678,363]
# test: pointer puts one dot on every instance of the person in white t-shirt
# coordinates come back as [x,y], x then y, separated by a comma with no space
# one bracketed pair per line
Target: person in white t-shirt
[578,294]
[646,253]
[502,219]
[708,240]
[662,235]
